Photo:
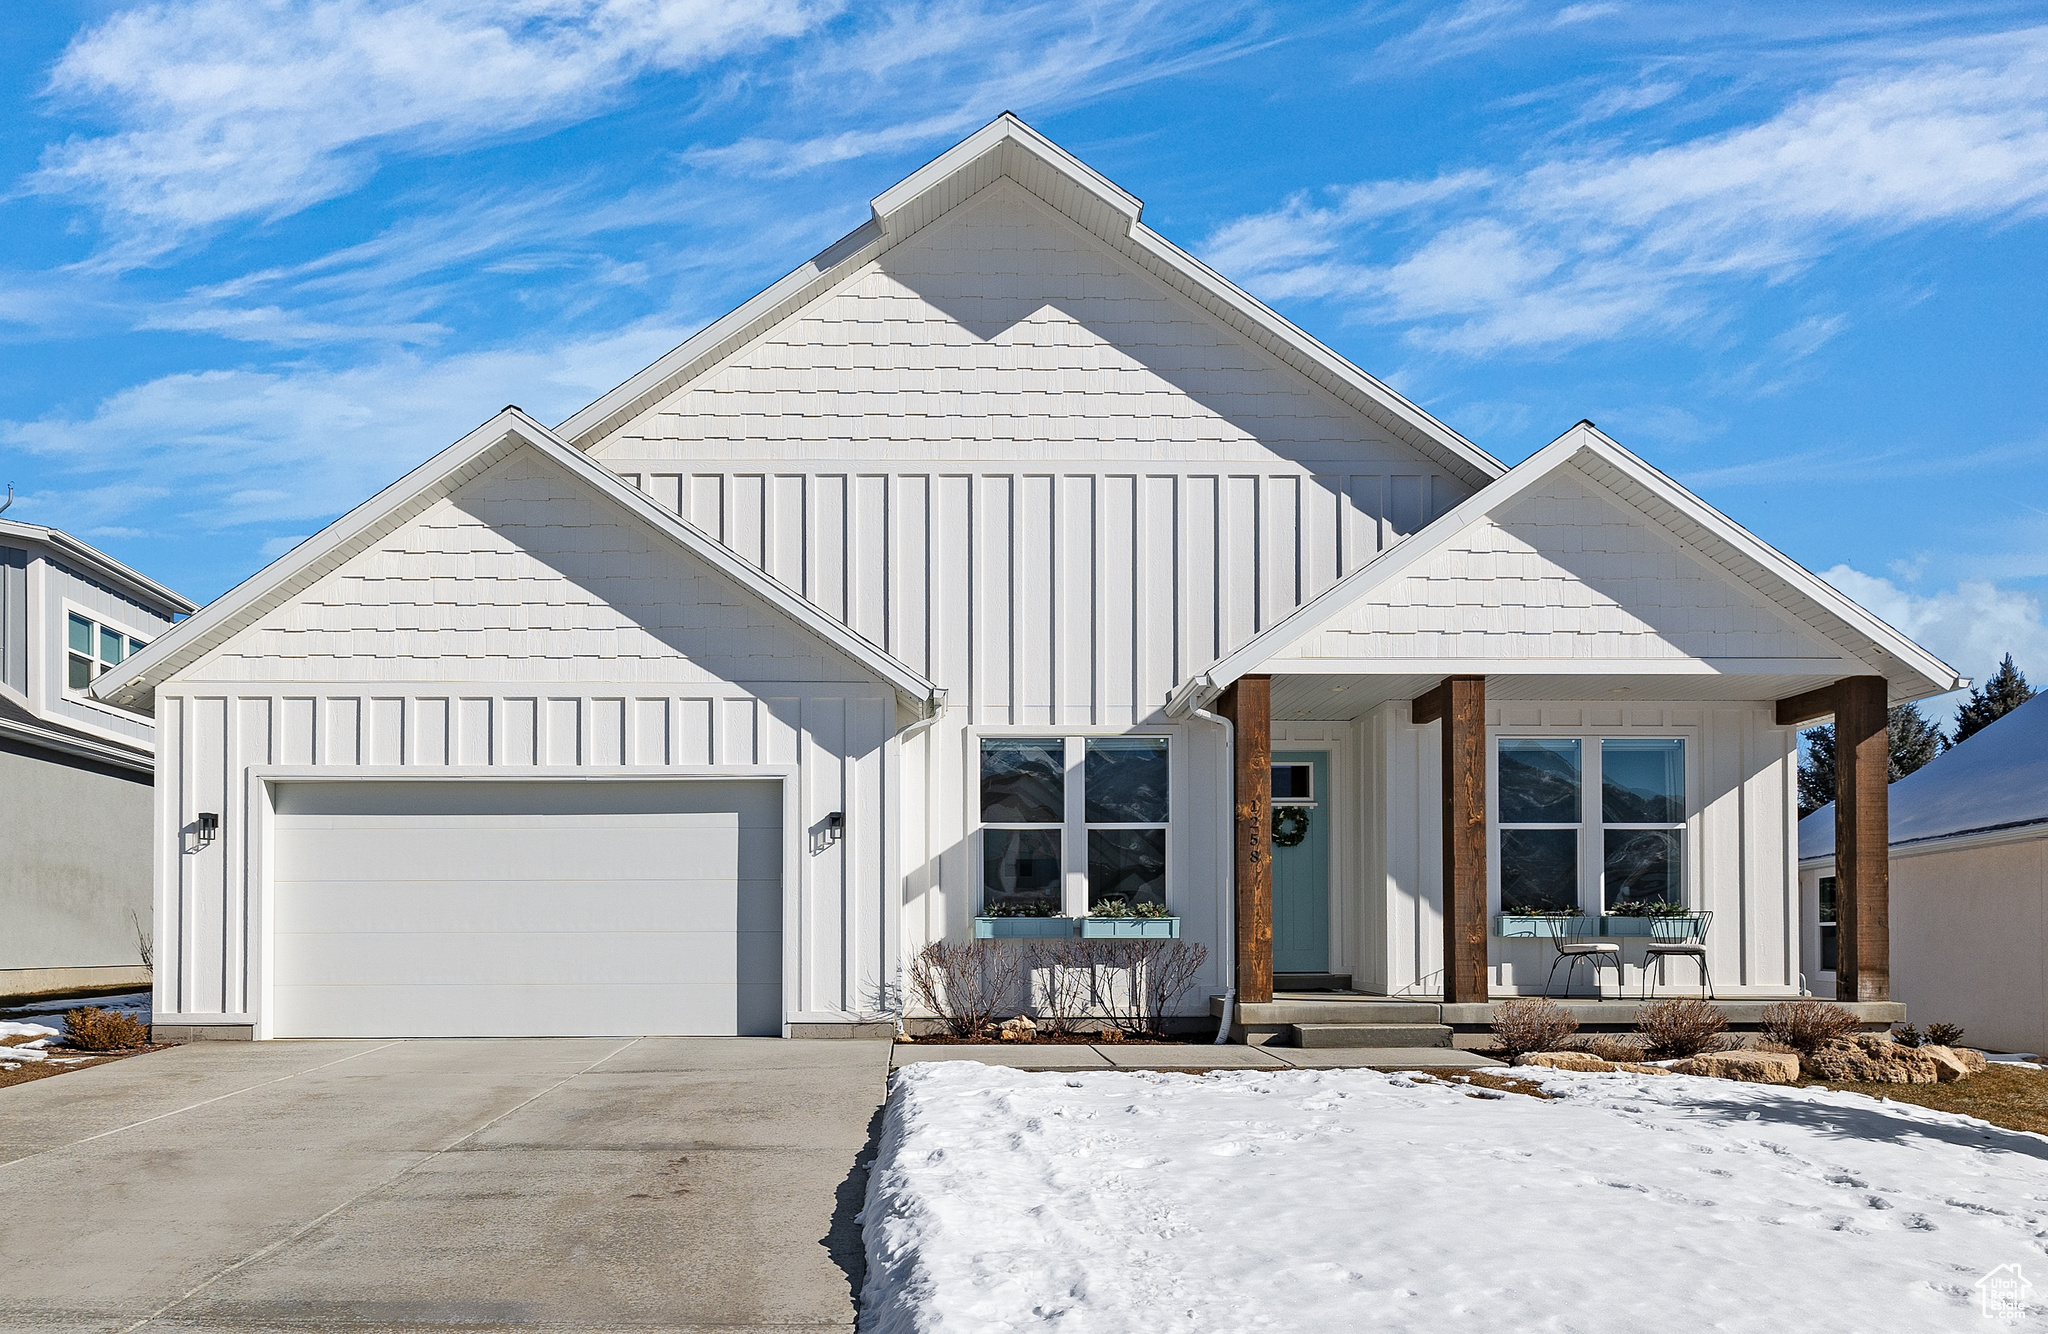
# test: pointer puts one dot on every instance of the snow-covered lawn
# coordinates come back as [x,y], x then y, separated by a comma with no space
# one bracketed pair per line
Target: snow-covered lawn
[1346,1200]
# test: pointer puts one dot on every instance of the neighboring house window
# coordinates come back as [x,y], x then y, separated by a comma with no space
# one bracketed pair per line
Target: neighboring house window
[93,648]
[1068,822]
[1828,943]
[1636,836]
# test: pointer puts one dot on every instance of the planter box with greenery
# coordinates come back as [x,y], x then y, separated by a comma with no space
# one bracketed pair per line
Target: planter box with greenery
[1676,925]
[1115,919]
[1543,926]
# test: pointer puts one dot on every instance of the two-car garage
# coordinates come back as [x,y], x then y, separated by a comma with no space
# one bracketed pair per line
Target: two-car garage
[423,907]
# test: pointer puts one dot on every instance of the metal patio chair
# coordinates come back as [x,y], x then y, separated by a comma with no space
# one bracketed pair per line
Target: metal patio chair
[1578,949]
[1678,938]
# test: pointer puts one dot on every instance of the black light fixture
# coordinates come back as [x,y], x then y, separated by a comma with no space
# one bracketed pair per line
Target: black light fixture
[835,826]
[208,827]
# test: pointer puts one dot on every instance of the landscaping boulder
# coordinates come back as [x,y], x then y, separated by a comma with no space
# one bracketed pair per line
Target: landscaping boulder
[1950,1063]
[1638,1068]
[1749,1067]
[1872,1058]
[1020,1029]
[1566,1060]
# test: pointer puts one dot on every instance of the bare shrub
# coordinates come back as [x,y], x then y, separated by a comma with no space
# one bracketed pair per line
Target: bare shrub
[1058,974]
[1522,1026]
[1945,1035]
[94,1029]
[1808,1025]
[966,983]
[1617,1047]
[1674,1029]
[1170,971]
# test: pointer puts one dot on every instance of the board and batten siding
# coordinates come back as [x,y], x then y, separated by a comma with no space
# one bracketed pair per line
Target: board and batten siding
[522,625]
[1740,842]
[14,617]
[1028,470]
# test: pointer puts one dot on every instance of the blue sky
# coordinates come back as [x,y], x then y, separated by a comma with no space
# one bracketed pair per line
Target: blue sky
[260,258]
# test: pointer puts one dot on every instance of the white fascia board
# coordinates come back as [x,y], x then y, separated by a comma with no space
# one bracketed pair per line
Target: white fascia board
[98,564]
[1583,438]
[222,618]
[882,231]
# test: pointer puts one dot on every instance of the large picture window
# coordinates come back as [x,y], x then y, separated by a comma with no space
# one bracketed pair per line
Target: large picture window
[1560,852]
[1069,822]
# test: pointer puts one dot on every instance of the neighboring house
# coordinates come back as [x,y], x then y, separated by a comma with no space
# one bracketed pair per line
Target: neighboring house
[904,591]
[1969,885]
[75,903]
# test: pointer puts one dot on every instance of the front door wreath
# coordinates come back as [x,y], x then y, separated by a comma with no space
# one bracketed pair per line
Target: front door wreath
[1290,826]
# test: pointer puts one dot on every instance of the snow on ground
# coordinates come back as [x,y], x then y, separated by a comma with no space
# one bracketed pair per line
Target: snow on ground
[1347,1200]
[50,1010]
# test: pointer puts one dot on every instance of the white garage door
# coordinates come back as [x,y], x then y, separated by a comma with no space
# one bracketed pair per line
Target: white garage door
[467,909]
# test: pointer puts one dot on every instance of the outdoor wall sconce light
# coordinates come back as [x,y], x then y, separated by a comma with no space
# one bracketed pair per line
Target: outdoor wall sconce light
[209,825]
[835,826]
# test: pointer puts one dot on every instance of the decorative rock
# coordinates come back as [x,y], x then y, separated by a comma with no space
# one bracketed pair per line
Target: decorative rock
[1110,1035]
[1566,1060]
[1749,1067]
[1637,1068]
[1872,1058]
[1020,1029]
[1949,1064]
[1971,1058]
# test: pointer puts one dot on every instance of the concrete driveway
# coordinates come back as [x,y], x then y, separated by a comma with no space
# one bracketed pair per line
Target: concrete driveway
[567,1183]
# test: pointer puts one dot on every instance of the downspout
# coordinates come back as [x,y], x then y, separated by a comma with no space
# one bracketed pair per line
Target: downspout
[1228,851]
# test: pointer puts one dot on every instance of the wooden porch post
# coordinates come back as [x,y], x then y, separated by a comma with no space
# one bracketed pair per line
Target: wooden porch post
[1459,703]
[1248,704]
[1863,930]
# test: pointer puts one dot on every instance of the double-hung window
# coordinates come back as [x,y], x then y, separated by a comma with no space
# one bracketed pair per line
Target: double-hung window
[1069,822]
[92,648]
[1558,850]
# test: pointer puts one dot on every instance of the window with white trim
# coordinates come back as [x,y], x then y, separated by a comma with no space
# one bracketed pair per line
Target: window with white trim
[1554,846]
[91,648]
[1069,822]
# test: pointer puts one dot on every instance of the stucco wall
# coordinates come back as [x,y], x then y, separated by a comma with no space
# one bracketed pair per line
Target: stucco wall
[1970,941]
[75,871]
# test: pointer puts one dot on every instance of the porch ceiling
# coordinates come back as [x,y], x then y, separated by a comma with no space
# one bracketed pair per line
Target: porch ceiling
[1335,697]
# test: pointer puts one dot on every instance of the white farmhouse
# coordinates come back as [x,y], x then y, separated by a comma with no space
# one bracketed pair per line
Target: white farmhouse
[999,560]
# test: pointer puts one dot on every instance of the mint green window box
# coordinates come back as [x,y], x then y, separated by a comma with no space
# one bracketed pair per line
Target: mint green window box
[1130,928]
[1023,928]
[1507,926]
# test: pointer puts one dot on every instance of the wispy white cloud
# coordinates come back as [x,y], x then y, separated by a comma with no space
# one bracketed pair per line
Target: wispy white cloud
[224,110]
[215,450]
[1587,246]
[1970,626]
[937,70]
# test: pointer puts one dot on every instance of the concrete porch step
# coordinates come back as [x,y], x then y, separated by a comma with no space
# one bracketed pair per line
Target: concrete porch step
[1372,1035]
[1311,981]
[1336,1010]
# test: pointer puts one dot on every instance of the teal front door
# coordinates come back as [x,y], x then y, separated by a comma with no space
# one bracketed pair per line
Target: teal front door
[1301,874]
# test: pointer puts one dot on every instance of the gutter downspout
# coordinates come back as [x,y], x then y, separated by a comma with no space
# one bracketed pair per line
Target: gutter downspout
[1226,827]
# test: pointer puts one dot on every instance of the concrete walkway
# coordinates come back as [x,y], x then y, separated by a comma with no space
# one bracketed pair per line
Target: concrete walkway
[1189,1056]
[572,1184]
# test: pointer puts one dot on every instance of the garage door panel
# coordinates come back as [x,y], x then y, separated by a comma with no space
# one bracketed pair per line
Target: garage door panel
[446,907]
[473,958]
[502,1010]
[526,905]
[436,850]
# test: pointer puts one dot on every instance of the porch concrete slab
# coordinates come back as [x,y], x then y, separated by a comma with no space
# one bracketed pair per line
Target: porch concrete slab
[1017,1056]
[1381,1058]
[1207,1056]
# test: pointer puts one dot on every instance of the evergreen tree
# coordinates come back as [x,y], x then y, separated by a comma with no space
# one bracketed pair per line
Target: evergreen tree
[1909,737]
[2005,691]
[1817,770]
